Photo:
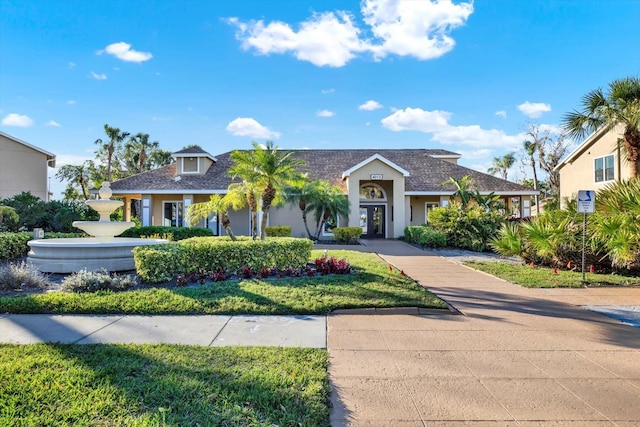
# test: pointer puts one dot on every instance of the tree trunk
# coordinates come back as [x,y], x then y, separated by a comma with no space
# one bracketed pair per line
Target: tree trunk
[535,185]
[226,224]
[263,222]
[632,144]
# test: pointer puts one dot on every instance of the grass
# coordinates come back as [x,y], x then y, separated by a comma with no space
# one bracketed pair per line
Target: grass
[371,284]
[161,385]
[542,277]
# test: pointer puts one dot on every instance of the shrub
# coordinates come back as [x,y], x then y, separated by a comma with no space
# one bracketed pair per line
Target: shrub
[21,276]
[348,235]
[14,245]
[471,228]
[332,265]
[425,236]
[170,233]
[9,219]
[92,281]
[158,263]
[278,231]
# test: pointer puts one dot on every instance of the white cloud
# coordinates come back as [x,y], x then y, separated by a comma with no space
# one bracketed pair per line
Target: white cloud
[97,76]
[370,105]
[480,153]
[72,64]
[501,113]
[17,120]
[246,126]
[405,28]
[123,51]
[53,123]
[437,123]
[327,91]
[325,113]
[71,102]
[534,110]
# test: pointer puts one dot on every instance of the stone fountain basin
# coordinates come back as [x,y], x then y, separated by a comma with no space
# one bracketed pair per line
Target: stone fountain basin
[89,253]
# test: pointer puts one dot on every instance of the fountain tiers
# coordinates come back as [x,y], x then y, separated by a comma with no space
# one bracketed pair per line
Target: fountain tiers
[102,251]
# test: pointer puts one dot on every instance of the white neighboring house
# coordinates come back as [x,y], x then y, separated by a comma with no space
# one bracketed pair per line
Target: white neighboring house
[23,167]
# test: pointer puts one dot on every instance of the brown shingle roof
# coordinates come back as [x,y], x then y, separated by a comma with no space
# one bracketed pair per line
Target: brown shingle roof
[426,172]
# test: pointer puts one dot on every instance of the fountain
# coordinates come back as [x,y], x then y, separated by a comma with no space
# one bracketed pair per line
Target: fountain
[101,251]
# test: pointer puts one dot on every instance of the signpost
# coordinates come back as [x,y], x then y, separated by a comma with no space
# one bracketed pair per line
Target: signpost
[586,205]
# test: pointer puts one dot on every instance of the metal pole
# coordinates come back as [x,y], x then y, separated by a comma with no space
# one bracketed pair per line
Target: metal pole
[584,234]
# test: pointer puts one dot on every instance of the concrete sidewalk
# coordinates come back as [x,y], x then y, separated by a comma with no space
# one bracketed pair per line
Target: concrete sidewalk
[282,331]
[514,356]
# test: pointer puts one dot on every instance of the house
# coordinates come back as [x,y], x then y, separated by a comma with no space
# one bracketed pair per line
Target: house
[388,189]
[597,161]
[23,167]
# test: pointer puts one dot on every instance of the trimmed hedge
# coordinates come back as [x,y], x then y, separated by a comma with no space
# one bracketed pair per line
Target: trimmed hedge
[278,231]
[161,263]
[169,233]
[425,236]
[348,235]
[14,245]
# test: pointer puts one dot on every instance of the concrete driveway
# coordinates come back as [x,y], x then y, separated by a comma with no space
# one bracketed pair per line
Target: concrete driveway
[511,357]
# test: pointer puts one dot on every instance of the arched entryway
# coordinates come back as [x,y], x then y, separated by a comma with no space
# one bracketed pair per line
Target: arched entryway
[373,207]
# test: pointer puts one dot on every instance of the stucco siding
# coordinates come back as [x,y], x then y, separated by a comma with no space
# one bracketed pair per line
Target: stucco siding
[580,173]
[22,169]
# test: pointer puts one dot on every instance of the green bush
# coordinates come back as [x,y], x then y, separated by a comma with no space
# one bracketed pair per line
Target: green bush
[158,263]
[348,235]
[92,281]
[161,263]
[170,233]
[278,231]
[471,228]
[14,245]
[425,236]
[9,219]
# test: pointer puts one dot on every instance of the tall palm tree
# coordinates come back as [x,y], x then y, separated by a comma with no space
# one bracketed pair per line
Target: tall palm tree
[137,151]
[109,147]
[502,164]
[269,170]
[241,195]
[620,106]
[530,148]
[304,196]
[216,204]
[77,175]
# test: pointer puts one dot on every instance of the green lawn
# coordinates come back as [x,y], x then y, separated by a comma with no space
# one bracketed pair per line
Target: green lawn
[371,285]
[158,385]
[542,277]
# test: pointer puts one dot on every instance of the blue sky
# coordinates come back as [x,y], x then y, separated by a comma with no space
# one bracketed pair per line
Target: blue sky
[463,76]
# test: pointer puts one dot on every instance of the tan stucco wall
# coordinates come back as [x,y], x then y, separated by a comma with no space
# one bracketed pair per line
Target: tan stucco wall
[393,184]
[580,174]
[22,169]
[417,208]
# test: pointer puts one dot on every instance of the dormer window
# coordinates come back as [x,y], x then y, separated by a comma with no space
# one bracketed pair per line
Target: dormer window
[190,165]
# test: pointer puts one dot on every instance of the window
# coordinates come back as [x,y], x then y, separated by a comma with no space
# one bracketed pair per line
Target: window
[372,192]
[428,207]
[604,169]
[189,165]
[329,225]
[172,214]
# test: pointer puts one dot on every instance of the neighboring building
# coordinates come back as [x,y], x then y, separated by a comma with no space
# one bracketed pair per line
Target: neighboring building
[387,189]
[597,161]
[23,167]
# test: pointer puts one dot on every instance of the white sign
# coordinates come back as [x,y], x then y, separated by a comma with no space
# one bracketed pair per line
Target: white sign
[376,176]
[586,201]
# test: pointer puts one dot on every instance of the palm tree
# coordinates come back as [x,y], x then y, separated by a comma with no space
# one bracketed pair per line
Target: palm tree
[327,202]
[502,164]
[216,204]
[530,147]
[270,171]
[241,195]
[137,152]
[110,147]
[303,195]
[463,187]
[78,175]
[620,106]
